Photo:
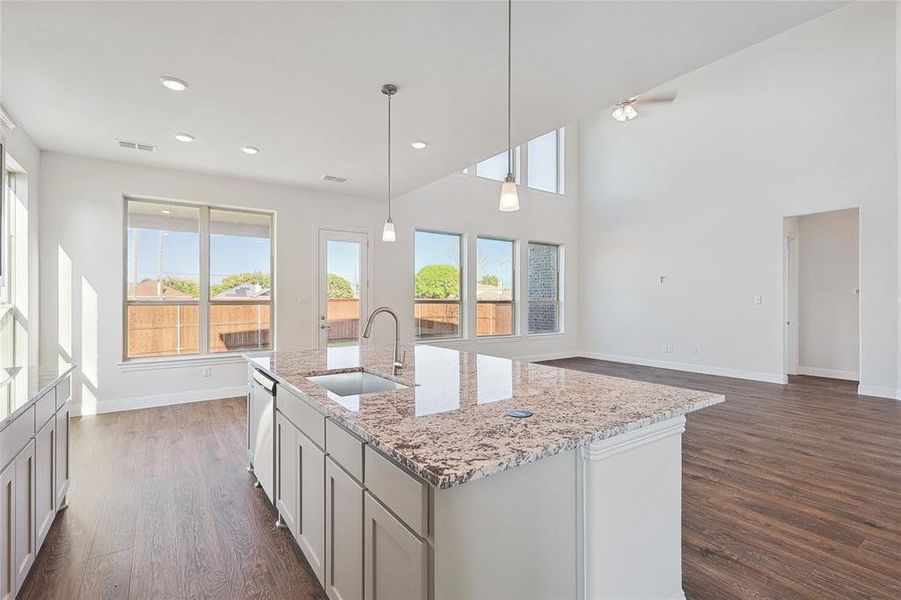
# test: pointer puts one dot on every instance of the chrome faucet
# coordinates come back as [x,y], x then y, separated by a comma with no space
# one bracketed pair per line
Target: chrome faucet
[398,359]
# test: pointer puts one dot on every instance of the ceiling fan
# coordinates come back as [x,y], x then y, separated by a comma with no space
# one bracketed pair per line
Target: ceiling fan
[625,111]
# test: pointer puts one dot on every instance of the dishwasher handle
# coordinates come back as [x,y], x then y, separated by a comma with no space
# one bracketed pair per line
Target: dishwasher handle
[264,381]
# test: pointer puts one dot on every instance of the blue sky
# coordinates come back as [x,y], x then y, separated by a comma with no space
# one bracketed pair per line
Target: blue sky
[494,256]
[344,260]
[181,255]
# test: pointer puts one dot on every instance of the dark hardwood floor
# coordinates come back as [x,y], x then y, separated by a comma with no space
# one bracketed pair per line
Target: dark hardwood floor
[789,492]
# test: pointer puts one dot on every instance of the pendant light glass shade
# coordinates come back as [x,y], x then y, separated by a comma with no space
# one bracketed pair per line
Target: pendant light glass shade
[388,234]
[509,198]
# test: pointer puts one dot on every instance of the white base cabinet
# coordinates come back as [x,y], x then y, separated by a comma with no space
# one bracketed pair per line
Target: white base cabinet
[344,534]
[62,466]
[7,532]
[310,519]
[45,477]
[395,560]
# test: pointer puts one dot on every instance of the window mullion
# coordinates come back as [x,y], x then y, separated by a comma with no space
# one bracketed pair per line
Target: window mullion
[204,283]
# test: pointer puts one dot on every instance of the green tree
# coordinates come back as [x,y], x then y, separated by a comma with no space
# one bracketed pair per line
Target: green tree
[438,281]
[490,280]
[233,281]
[185,286]
[338,287]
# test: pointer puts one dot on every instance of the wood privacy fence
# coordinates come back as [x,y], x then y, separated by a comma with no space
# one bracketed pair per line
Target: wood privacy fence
[164,330]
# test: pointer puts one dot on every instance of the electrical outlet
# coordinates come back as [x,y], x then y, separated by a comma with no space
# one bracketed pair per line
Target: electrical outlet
[668,348]
[694,351]
[207,371]
[662,280]
[758,300]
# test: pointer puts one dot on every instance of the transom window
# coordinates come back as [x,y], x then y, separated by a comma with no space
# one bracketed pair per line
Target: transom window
[544,163]
[199,279]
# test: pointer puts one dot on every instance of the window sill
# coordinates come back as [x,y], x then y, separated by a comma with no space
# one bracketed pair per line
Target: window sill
[551,334]
[444,340]
[169,362]
[499,338]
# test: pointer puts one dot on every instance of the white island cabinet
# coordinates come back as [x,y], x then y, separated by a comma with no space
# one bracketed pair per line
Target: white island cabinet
[433,492]
[34,465]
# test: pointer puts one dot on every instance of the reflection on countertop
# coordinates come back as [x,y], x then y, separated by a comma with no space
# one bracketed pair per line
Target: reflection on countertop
[20,386]
[450,426]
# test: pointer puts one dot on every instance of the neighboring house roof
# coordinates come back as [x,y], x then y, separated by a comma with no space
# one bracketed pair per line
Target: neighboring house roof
[487,293]
[148,289]
[245,290]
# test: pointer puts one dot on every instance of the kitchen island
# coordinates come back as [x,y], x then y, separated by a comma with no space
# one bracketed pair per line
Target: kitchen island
[431,489]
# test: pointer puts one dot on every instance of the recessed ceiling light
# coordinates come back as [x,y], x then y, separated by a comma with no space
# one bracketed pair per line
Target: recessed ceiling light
[184,137]
[250,150]
[166,211]
[174,83]
[419,144]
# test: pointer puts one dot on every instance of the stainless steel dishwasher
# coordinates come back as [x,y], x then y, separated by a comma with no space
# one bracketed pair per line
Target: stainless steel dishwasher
[260,431]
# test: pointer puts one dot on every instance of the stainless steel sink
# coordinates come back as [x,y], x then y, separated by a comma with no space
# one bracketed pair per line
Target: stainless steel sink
[355,383]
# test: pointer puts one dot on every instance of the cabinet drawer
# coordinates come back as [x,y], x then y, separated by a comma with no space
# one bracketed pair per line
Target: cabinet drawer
[306,418]
[16,436]
[63,391]
[406,496]
[345,448]
[44,409]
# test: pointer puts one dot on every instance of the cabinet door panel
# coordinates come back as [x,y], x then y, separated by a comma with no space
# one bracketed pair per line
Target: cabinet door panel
[395,559]
[62,454]
[24,513]
[343,534]
[8,532]
[310,532]
[286,472]
[44,490]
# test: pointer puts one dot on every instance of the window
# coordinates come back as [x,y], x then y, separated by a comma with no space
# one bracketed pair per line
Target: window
[438,304]
[494,287]
[496,166]
[183,300]
[544,288]
[545,162]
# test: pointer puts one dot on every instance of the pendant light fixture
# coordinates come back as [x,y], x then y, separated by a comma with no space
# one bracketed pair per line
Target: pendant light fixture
[388,233]
[509,200]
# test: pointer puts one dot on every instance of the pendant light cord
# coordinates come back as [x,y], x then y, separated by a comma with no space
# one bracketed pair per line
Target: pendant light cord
[389,157]
[509,85]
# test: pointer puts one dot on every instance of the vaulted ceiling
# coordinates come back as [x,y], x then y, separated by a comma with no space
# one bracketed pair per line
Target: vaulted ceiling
[301,80]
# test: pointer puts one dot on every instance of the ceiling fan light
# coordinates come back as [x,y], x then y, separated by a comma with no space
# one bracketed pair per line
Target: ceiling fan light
[509,200]
[388,233]
[619,114]
[630,111]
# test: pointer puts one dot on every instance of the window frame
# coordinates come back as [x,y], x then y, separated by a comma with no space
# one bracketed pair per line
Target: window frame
[560,330]
[521,164]
[203,302]
[514,301]
[463,312]
[517,165]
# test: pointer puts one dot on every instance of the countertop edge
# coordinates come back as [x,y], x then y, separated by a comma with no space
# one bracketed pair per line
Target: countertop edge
[441,482]
[34,398]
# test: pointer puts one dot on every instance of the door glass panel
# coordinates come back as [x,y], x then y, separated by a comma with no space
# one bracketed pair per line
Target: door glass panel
[343,292]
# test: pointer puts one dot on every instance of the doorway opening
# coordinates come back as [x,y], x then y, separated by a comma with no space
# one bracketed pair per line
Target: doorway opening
[822,291]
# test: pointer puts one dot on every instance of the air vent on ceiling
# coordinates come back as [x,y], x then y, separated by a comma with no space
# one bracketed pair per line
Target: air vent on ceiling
[334,179]
[137,146]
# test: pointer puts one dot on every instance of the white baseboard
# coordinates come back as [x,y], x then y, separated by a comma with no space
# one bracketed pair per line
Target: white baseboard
[548,356]
[830,373]
[879,392]
[689,367]
[107,406]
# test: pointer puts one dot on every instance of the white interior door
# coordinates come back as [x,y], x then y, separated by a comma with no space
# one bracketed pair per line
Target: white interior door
[343,286]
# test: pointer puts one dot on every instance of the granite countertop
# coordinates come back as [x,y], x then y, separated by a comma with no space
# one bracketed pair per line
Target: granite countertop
[21,386]
[450,425]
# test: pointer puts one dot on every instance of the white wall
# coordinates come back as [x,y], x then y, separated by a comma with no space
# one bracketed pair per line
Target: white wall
[697,190]
[83,219]
[828,326]
[27,286]
[82,222]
